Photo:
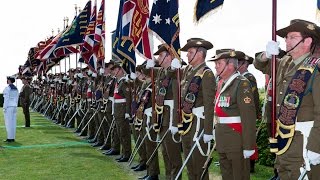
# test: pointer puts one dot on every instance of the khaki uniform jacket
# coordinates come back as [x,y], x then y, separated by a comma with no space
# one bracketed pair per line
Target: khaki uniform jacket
[310,105]
[255,92]
[125,92]
[205,96]
[241,103]
[25,94]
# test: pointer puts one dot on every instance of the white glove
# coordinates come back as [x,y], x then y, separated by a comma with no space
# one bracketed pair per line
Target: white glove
[173,130]
[133,76]
[89,72]
[80,75]
[247,153]
[127,77]
[65,78]
[126,116]
[207,138]
[101,71]
[272,48]
[150,64]
[94,75]
[314,157]
[75,75]
[175,64]
[69,82]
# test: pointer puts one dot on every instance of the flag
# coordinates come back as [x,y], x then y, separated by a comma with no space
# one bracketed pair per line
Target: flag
[135,19]
[203,7]
[165,23]
[74,34]
[99,35]
[122,46]
[88,41]
[47,52]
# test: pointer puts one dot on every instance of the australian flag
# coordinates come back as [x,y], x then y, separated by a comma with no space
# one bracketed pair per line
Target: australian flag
[164,22]
[74,34]
[122,46]
[205,6]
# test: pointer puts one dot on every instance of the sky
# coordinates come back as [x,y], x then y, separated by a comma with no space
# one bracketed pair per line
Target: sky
[240,24]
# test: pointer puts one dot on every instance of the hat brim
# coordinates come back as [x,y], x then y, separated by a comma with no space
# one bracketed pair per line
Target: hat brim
[160,50]
[226,55]
[194,44]
[298,27]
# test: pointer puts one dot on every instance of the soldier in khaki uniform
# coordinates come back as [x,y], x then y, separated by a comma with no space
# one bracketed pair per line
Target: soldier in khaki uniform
[235,117]
[197,103]
[25,99]
[142,121]
[297,100]
[243,65]
[163,119]
[122,112]
[108,94]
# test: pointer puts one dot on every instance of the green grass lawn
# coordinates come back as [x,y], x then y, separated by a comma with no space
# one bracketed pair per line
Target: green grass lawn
[48,151]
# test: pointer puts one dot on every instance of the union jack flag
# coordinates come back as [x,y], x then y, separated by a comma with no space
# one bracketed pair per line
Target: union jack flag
[99,35]
[47,52]
[135,18]
[88,41]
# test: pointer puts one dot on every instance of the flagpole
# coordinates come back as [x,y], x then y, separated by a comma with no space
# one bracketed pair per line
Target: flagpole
[274,69]
[76,13]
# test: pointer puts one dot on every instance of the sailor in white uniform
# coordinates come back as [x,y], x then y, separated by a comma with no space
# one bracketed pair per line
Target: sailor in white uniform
[10,97]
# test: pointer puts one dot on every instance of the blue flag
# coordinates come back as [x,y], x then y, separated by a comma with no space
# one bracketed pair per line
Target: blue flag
[164,22]
[122,46]
[205,6]
[73,36]
[318,9]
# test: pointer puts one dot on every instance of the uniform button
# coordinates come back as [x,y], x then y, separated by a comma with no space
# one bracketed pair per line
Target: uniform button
[278,105]
[284,81]
[281,93]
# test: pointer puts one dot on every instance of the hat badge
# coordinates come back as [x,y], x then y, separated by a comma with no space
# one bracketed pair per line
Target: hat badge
[232,54]
[199,42]
[311,27]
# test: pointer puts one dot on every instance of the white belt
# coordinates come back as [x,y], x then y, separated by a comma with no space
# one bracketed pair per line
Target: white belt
[305,128]
[89,99]
[111,98]
[170,104]
[229,120]
[148,112]
[199,113]
[120,101]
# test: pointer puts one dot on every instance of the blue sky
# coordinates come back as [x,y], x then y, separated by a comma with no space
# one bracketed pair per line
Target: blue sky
[241,24]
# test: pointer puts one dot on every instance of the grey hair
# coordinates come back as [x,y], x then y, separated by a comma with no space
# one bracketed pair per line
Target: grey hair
[204,51]
[233,61]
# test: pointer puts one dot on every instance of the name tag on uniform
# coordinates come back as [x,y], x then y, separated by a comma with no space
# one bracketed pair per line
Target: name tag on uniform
[224,101]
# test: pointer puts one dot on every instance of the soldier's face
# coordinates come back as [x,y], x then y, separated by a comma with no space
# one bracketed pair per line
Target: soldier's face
[292,39]
[162,59]
[220,66]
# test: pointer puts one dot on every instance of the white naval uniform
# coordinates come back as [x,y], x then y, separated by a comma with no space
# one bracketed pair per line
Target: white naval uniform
[10,97]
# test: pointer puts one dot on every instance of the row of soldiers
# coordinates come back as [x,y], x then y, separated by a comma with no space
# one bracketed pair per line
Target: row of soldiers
[187,106]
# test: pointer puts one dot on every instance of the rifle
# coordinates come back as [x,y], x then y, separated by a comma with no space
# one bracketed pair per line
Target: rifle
[189,155]
[68,111]
[207,163]
[139,146]
[157,147]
